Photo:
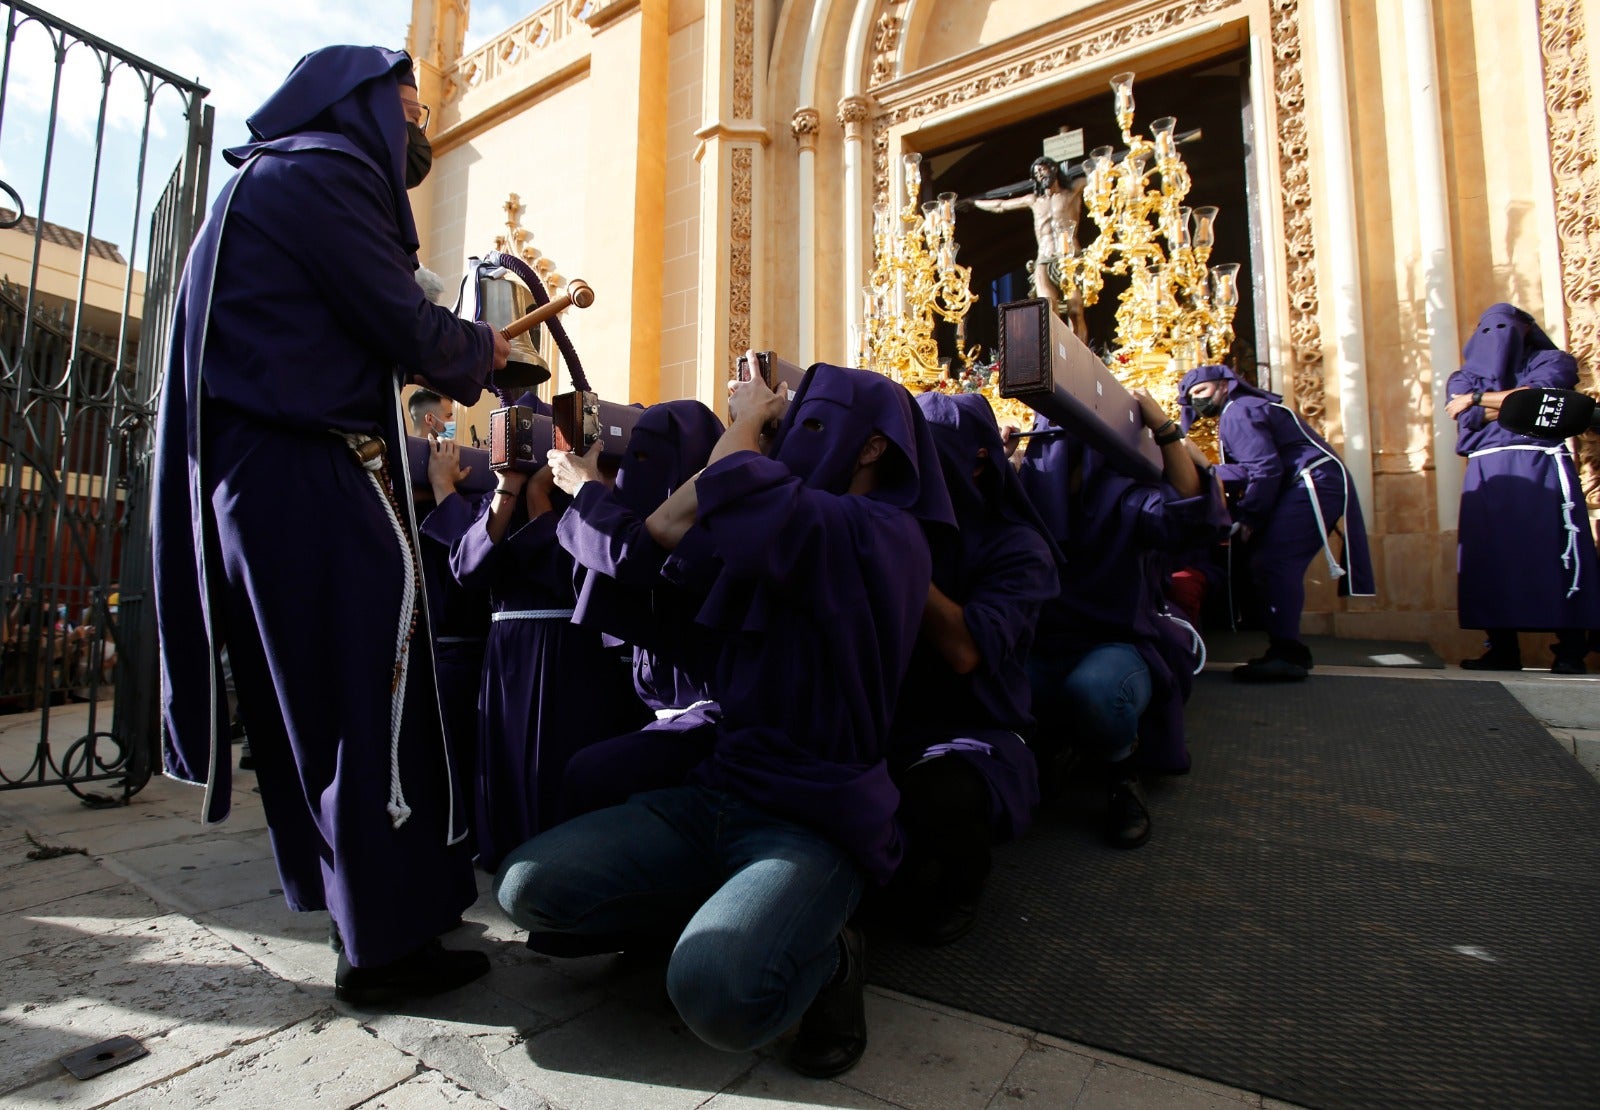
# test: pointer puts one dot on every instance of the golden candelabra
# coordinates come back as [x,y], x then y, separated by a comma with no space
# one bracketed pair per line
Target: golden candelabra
[915,279]
[1177,310]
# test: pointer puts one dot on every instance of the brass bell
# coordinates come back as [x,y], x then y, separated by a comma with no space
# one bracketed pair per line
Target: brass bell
[493,295]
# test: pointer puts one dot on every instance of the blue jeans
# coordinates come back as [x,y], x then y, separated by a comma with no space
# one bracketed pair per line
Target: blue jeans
[757,902]
[1095,698]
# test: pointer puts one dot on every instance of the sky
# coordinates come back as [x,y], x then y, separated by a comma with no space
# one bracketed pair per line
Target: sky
[238,49]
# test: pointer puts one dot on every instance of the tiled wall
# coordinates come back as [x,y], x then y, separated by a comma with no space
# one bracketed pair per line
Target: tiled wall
[680,309]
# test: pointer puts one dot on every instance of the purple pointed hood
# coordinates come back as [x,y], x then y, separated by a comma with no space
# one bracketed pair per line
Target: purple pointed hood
[962,424]
[1501,346]
[670,444]
[1236,388]
[349,92]
[832,414]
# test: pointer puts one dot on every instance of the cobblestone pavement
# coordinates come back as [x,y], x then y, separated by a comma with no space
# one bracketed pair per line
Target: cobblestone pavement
[140,922]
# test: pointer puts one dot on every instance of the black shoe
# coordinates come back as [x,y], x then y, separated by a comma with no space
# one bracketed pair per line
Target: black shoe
[1566,666]
[1127,814]
[431,969]
[247,758]
[335,941]
[946,924]
[1270,668]
[833,1034]
[1493,661]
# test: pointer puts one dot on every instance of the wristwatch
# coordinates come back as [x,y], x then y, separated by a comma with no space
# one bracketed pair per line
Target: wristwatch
[1477,396]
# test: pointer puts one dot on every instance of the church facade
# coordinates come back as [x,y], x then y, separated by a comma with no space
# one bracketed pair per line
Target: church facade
[1385,170]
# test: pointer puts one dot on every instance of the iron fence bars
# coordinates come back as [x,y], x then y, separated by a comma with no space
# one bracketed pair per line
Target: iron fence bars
[82,347]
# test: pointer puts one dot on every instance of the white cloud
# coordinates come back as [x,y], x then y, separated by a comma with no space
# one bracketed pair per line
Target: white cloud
[241,50]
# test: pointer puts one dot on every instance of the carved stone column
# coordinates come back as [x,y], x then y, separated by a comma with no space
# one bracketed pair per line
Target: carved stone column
[730,140]
[803,125]
[855,112]
[1575,166]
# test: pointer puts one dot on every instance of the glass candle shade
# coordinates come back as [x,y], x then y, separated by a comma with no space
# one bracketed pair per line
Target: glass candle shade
[1203,231]
[1162,132]
[1225,285]
[1122,86]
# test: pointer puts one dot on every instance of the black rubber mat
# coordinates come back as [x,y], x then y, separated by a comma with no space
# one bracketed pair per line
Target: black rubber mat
[1225,645]
[1368,893]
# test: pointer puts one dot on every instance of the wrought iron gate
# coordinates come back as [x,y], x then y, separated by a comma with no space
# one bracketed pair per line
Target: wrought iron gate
[80,370]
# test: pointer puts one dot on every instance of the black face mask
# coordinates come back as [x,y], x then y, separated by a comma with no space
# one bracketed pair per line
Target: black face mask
[419,155]
[1206,406]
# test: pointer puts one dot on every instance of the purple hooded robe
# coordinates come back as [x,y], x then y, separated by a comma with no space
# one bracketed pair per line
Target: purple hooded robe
[549,687]
[1524,560]
[622,594]
[1113,531]
[1000,568]
[818,600]
[298,317]
[1291,489]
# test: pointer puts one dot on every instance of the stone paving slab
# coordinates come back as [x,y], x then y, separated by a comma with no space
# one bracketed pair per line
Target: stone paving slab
[177,934]
[326,1062]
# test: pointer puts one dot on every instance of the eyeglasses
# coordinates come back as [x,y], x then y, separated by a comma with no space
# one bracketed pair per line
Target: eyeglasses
[416,113]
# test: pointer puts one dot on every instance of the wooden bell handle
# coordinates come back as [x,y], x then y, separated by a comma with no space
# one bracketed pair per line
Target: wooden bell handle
[577,293]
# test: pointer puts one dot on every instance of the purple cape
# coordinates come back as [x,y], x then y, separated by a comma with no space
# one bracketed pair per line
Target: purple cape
[549,687]
[620,589]
[1001,568]
[266,532]
[832,588]
[1111,530]
[1266,450]
[1524,559]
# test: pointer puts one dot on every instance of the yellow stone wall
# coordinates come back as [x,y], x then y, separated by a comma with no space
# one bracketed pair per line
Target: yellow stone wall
[742,122]
[680,253]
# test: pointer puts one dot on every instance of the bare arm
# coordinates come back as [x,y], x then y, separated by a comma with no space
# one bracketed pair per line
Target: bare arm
[751,406]
[944,623]
[1010,204]
[1177,464]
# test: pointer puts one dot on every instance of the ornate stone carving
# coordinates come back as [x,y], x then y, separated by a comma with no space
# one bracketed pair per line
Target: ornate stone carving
[854,111]
[739,264]
[744,59]
[1308,387]
[885,43]
[804,126]
[1570,116]
[518,240]
[512,48]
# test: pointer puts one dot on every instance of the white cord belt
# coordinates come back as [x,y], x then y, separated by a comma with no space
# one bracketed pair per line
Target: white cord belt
[1196,645]
[369,450]
[1569,556]
[1306,472]
[669,714]
[532,615]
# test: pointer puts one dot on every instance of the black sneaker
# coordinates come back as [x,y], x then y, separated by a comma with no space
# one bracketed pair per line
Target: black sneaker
[431,969]
[1127,814]
[1567,666]
[1492,660]
[833,1033]
[1270,668]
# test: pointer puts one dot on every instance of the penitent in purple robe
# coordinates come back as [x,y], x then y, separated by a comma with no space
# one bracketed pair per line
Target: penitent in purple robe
[1113,532]
[297,319]
[818,601]
[1290,487]
[460,620]
[1524,560]
[549,686]
[622,594]
[1000,568]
